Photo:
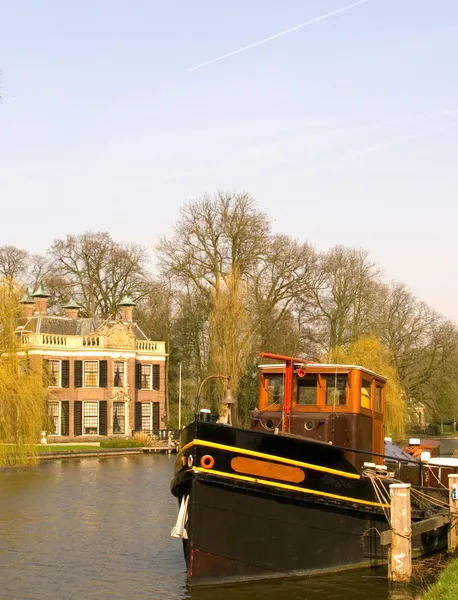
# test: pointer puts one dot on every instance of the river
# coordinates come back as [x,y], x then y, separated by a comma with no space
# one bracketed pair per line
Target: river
[98,529]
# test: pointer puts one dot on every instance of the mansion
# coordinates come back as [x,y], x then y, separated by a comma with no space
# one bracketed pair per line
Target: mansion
[104,376]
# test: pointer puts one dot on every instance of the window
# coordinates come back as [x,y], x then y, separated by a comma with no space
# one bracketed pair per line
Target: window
[91,373]
[146,416]
[378,398]
[90,418]
[366,387]
[54,373]
[274,385]
[119,417]
[54,418]
[307,388]
[336,390]
[118,374]
[145,377]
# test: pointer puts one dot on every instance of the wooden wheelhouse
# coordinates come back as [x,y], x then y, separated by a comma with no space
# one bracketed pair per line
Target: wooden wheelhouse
[342,405]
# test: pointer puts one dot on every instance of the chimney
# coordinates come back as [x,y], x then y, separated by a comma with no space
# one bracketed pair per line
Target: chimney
[28,304]
[71,309]
[41,300]
[127,306]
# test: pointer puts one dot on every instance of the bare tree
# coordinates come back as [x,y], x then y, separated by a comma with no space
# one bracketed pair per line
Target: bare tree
[213,235]
[284,275]
[343,296]
[13,262]
[98,271]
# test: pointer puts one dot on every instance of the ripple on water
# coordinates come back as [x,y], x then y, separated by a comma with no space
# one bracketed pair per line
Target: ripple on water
[98,529]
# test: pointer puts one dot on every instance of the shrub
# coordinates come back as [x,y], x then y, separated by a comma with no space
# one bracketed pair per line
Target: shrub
[120,444]
[143,438]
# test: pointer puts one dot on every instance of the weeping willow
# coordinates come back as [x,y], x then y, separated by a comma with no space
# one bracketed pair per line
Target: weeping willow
[22,392]
[370,353]
[231,331]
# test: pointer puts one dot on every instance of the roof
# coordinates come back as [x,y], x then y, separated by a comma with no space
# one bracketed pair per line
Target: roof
[72,304]
[68,326]
[127,301]
[40,293]
[27,299]
[328,366]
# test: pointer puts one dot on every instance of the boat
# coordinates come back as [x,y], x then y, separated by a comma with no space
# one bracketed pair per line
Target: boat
[304,489]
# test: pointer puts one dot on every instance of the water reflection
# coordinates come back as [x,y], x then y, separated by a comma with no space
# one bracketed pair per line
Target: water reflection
[98,529]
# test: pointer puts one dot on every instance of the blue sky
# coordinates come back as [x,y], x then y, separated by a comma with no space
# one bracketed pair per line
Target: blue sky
[345,131]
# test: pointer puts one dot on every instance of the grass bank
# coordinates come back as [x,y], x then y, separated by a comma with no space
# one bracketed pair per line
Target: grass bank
[446,587]
[46,448]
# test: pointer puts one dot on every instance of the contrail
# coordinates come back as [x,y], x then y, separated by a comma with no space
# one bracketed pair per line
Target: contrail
[277,35]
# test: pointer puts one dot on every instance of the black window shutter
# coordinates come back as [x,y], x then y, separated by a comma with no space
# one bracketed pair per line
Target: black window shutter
[64,417]
[103,375]
[138,375]
[78,373]
[156,423]
[103,420]
[78,416]
[138,416]
[65,374]
[156,377]
[45,372]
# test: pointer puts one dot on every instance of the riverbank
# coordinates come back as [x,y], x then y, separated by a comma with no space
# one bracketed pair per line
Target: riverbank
[446,587]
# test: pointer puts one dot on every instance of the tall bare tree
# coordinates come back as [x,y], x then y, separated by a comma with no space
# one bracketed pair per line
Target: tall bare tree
[344,294]
[13,262]
[98,271]
[213,235]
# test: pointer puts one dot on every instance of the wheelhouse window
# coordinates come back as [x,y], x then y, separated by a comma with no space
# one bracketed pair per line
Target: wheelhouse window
[336,389]
[378,398]
[54,418]
[54,373]
[307,390]
[366,387]
[275,385]
[118,374]
[91,373]
[119,417]
[90,418]
[145,377]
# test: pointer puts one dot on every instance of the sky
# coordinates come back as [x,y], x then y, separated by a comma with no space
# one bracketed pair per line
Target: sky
[344,129]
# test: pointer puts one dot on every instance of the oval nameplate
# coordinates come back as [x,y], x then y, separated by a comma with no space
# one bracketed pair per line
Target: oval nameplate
[261,468]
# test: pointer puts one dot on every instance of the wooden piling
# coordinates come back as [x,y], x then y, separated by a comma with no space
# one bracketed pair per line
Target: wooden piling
[400,566]
[453,499]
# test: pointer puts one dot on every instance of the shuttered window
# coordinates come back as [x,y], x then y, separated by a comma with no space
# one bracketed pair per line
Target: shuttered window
[119,417]
[145,381]
[90,418]
[156,417]
[64,417]
[54,418]
[52,372]
[91,373]
[103,418]
[65,374]
[78,417]
[156,377]
[146,416]
[78,373]
[138,416]
[103,373]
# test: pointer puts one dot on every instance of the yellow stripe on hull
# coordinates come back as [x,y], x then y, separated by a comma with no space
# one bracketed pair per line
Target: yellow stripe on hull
[287,487]
[287,461]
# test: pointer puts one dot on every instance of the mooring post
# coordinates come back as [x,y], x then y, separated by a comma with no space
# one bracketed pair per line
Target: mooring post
[453,500]
[400,564]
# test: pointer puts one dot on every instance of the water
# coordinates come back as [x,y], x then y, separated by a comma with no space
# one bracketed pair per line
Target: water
[98,529]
